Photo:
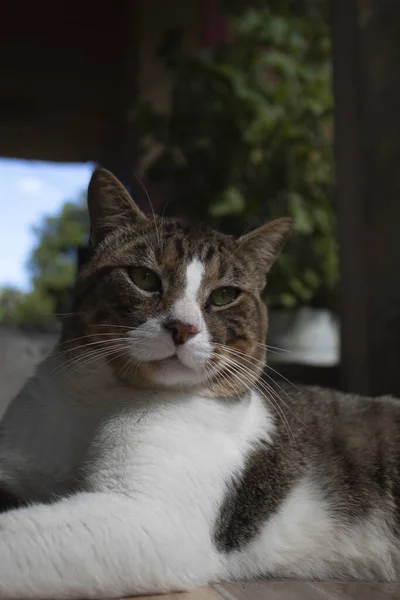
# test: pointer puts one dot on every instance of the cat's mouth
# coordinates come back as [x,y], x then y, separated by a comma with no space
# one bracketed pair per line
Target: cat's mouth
[171,365]
[177,362]
[172,371]
[172,359]
[179,365]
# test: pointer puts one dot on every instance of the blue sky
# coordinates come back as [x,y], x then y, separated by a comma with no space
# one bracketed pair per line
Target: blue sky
[28,191]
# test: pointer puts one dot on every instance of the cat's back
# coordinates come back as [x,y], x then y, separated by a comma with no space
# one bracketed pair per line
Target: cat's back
[319,414]
[349,445]
[325,427]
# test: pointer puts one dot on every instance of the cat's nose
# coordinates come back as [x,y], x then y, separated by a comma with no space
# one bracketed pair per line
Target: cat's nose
[181,332]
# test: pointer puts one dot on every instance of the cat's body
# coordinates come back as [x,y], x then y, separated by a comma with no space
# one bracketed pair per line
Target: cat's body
[152,477]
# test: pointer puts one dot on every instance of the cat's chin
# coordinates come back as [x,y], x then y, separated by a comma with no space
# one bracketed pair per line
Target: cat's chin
[172,372]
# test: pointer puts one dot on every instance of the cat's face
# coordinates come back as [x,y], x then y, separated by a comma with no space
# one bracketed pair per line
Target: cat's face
[169,304]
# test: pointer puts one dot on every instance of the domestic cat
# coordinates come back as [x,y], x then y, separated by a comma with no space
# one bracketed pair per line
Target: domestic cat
[149,454]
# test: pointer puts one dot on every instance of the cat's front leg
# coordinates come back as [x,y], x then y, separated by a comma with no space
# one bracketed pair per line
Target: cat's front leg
[99,545]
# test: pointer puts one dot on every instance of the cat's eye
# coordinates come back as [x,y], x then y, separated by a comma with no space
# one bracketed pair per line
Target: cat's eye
[145,279]
[223,296]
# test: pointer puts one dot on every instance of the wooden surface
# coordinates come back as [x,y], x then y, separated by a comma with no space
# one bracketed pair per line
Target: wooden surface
[291,590]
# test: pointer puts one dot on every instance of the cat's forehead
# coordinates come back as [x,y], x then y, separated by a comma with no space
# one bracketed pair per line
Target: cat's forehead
[195,234]
[191,241]
[176,241]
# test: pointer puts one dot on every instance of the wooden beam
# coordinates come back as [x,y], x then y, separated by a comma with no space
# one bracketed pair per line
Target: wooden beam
[350,194]
[366,55]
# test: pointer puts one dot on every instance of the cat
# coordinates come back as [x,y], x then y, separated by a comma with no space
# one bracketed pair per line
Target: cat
[148,454]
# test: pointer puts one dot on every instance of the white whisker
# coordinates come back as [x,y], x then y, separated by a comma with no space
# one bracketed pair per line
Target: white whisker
[152,210]
[245,371]
[88,357]
[250,360]
[250,385]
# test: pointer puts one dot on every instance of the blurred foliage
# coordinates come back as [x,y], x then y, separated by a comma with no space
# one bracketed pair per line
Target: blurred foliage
[249,137]
[52,266]
[53,260]
[10,299]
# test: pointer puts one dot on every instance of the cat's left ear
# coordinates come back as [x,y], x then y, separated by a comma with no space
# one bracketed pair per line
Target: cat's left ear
[110,205]
[265,243]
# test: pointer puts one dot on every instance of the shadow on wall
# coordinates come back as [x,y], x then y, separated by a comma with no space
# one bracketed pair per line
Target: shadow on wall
[21,350]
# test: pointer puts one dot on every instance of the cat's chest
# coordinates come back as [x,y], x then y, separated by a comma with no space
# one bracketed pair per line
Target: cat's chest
[177,450]
[166,448]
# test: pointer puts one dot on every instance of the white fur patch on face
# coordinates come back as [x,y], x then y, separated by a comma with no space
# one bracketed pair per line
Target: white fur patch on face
[151,341]
[194,276]
[187,308]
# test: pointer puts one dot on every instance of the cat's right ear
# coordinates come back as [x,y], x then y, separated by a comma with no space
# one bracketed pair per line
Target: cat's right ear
[110,205]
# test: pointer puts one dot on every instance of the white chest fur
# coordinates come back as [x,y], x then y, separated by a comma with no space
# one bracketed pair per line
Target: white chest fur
[164,461]
[153,470]
[159,444]
[177,447]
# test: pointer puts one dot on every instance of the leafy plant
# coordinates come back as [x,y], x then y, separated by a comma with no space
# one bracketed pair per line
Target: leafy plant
[249,138]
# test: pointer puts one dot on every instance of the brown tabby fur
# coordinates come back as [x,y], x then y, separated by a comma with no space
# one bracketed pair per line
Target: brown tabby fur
[349,445]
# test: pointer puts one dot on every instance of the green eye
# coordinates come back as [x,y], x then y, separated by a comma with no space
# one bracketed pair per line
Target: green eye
[224,295]
[145,279]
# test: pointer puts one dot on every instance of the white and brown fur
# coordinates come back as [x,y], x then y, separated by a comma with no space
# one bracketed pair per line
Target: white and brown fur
[131,464]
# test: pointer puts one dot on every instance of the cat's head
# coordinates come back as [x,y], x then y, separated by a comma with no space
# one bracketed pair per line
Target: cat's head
[168,304]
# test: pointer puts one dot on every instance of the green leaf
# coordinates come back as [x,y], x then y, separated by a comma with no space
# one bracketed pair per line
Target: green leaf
[288,300]
[231,202]
[302,218]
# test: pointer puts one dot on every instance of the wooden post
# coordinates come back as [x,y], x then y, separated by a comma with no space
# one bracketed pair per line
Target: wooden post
[350,195]
[366,55]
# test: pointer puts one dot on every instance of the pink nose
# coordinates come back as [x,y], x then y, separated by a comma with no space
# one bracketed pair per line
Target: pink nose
[181,332]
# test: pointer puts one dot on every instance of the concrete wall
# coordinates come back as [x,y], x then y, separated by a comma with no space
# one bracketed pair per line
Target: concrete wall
[21,349]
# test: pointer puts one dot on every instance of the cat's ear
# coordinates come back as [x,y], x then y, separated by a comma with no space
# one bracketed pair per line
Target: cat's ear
[265,243]
[110,205]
